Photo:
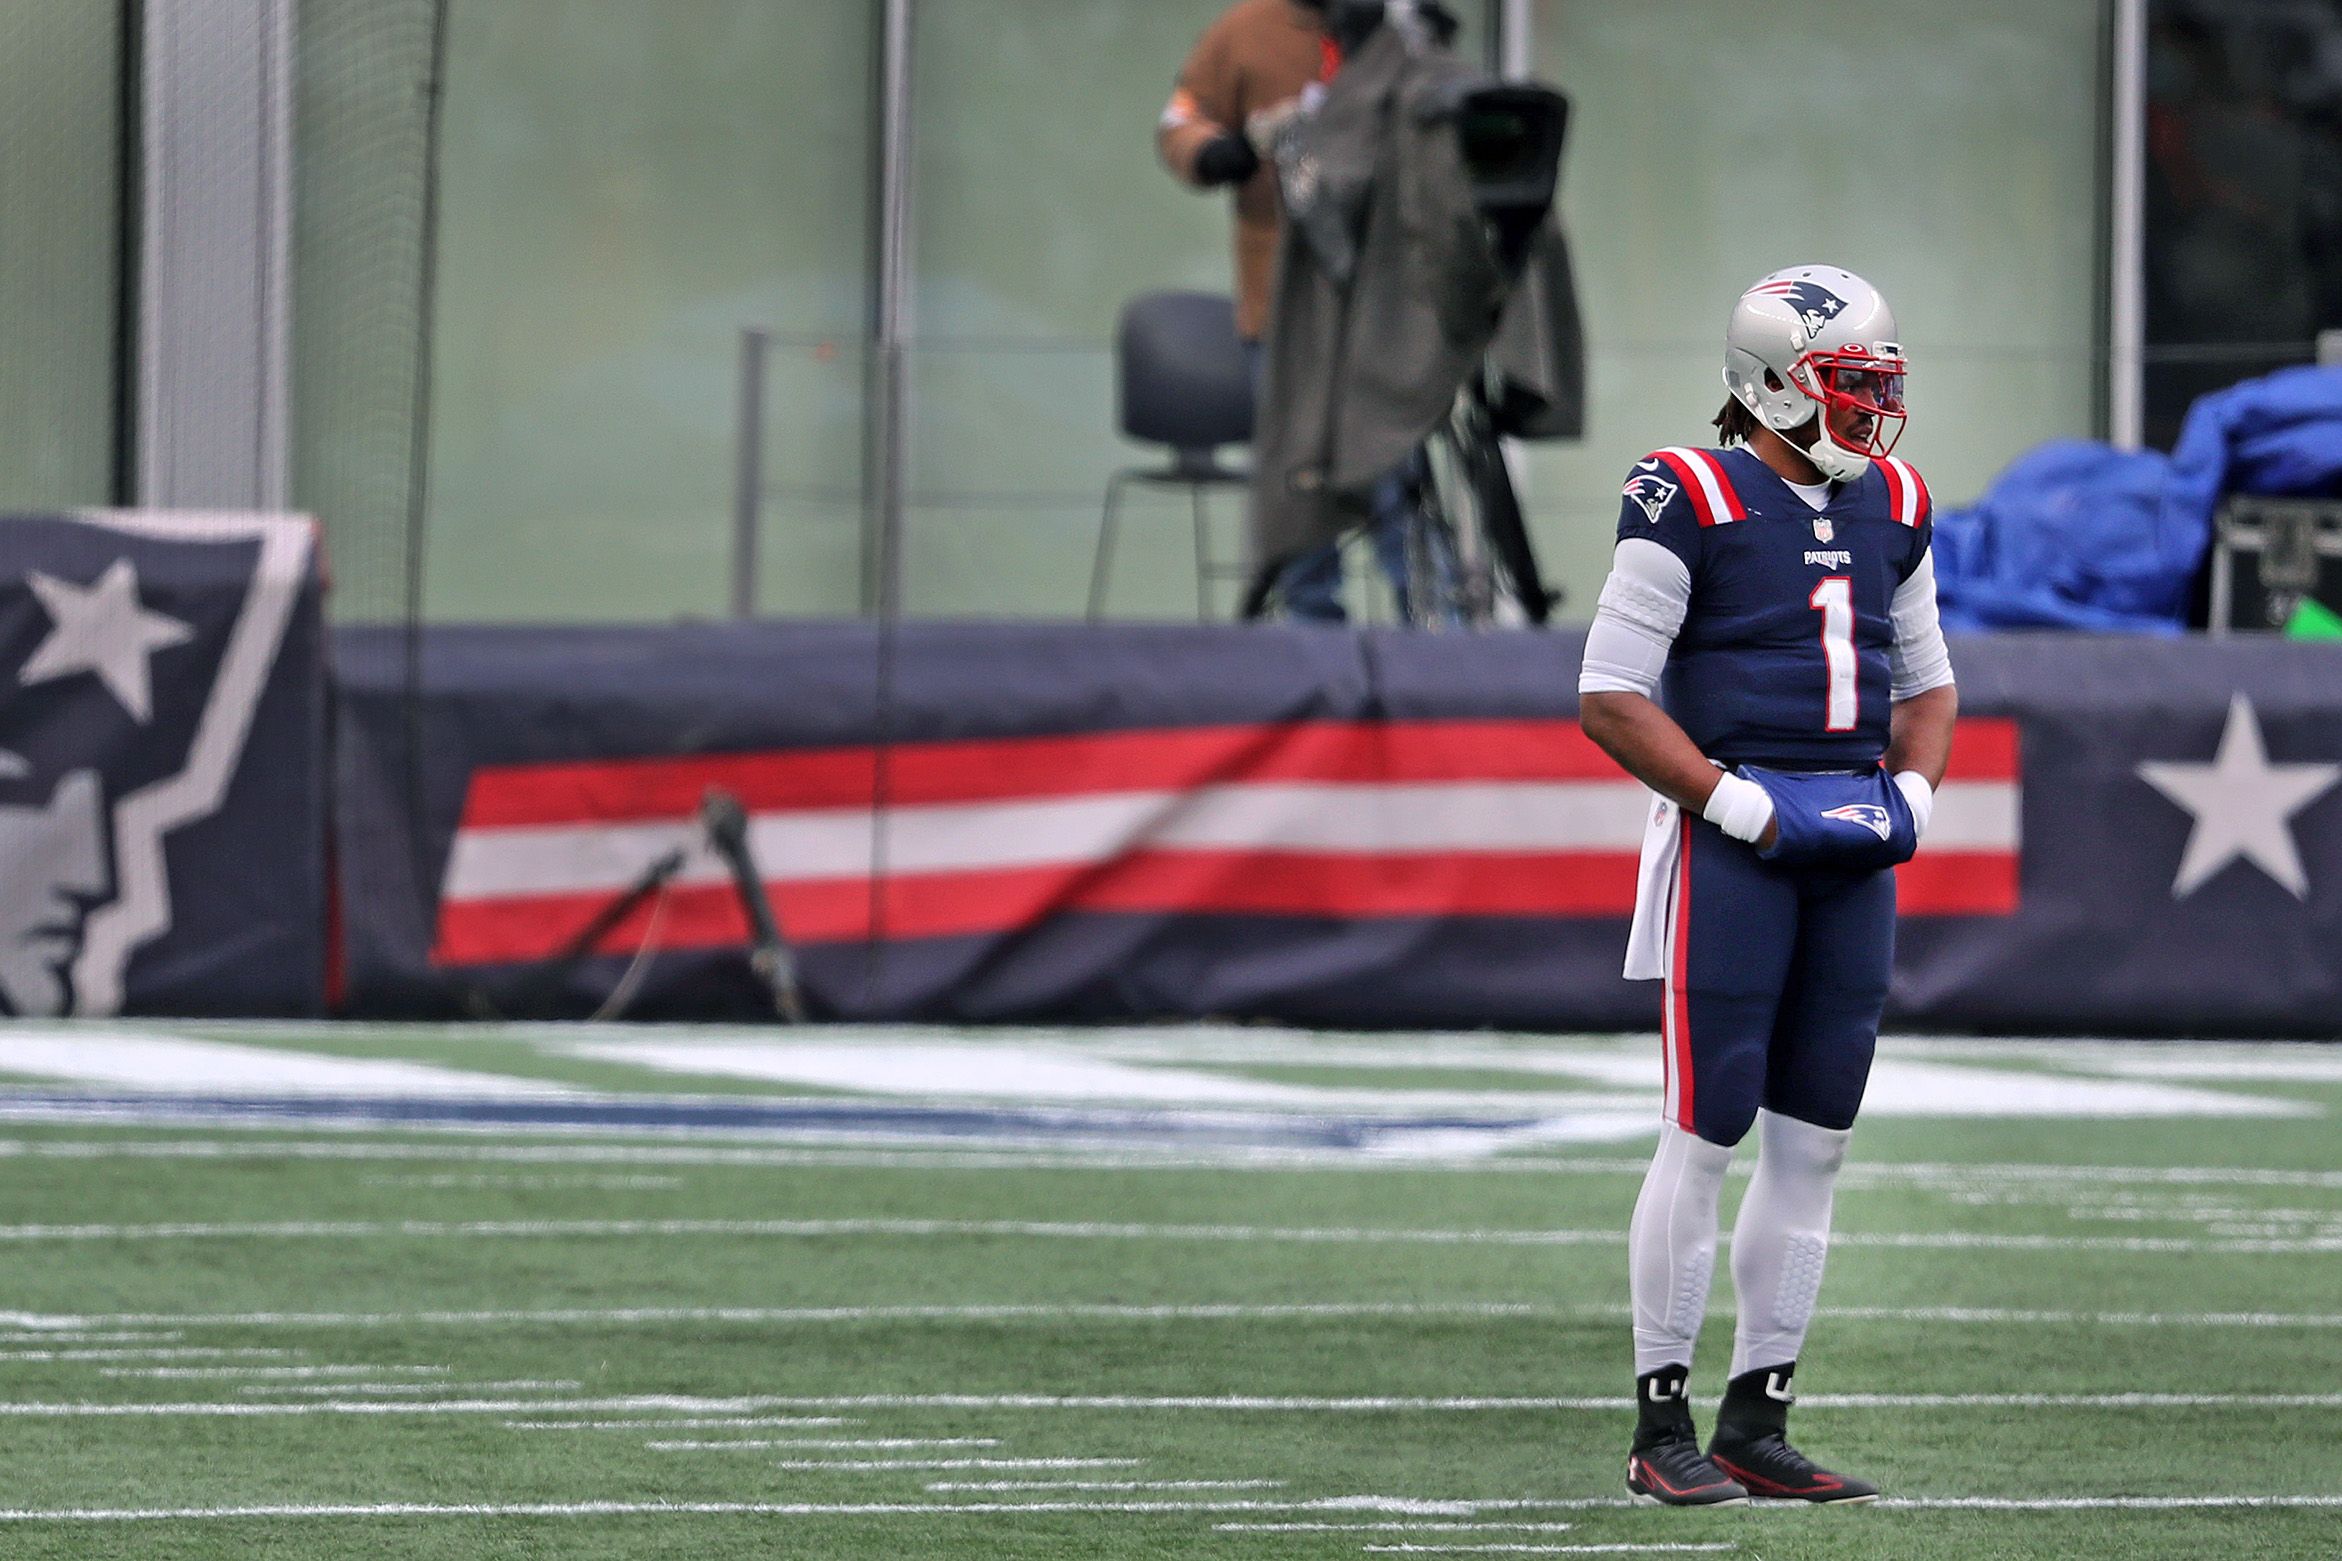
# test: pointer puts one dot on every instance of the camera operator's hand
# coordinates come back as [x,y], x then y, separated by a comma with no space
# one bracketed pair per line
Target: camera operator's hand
[1226,159]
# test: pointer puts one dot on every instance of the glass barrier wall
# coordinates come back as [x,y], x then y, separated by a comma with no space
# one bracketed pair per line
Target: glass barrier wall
[60,251]
[622,189]
[1948,153]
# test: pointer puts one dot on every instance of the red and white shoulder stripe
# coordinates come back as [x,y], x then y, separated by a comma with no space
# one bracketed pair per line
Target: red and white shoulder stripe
[1704,478]
[1907,498]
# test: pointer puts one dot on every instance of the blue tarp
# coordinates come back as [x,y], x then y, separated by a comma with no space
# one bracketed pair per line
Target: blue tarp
[2077,535]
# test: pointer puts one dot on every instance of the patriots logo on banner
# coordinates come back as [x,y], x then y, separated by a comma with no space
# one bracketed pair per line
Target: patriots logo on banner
[134,650]
[1649,491]
[1866,815]
[1815,304]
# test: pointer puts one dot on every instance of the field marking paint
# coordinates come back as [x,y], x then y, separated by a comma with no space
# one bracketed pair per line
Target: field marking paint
[173,1352]
[1200,1311]
[778,1509]
[1050,1156]
[1550,1550]
[1078,1230]
[1067,1311]
[600,1509]
[1390,1528]
[1108,1485]
[392,1389]
[493,1181]
[861,1465]
[1229,1403]
[278,1372]
[2214,1503]
[168,1063]
[687,1423]
[88,1336]
[705,1445]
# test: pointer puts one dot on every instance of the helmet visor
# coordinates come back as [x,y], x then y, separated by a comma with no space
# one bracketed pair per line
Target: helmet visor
[1861,394]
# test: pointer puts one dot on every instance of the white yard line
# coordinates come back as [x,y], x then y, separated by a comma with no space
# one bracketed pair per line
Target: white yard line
[1197,1311]
[686,1423]
[1108,1485]
[596,1509]
[1551,1550]
[1052,1155]
[706,1445]
[789,1509]
[1090,1230]
[1013,1311]
[277,1372]
[862,1465]
[1389,1527]
[1231,1403]
[173,1352]
[419,1389]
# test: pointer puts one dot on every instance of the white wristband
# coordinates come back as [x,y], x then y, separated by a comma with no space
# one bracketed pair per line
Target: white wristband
[1920,795]
[1740,808]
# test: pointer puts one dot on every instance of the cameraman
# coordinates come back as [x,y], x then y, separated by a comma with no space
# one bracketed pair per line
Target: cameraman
[1250,70]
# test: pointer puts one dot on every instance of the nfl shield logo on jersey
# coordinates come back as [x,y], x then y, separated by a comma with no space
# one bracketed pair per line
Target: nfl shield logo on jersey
[1823,531]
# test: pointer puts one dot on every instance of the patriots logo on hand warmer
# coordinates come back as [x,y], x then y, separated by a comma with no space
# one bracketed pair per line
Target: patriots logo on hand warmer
[1651,492]
[1869,815]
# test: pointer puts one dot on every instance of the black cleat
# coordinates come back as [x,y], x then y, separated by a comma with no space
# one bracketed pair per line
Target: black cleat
[1666,1466]
[1751,1444]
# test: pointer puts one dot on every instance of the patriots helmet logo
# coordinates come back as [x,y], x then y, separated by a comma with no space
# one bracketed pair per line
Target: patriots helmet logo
[1814,304]
[1865,815]
[1650,491]
[126,709]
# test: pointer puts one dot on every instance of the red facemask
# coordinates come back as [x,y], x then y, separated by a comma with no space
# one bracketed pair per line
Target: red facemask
[1856,380]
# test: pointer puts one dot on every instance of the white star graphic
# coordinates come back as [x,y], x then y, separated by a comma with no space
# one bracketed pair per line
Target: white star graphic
[2242,804]
[101,628]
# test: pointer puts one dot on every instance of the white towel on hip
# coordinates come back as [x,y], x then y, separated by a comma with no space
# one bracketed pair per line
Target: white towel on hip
[1646,938]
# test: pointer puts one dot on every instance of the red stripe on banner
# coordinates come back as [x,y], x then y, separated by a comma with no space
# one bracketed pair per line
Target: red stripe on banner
[935,905]
[1177,759]
[1564,885]
[1985,748]
[1958,883]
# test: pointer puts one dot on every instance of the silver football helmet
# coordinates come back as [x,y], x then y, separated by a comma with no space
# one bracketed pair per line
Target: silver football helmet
[1810,340]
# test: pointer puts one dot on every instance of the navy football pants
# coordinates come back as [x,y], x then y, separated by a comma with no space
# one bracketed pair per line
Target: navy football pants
[1776,980]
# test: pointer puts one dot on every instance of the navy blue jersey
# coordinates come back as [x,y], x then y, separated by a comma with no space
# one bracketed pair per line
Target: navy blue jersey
[1783,656]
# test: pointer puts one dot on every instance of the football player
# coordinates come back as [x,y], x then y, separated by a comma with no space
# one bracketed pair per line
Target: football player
[1766,658]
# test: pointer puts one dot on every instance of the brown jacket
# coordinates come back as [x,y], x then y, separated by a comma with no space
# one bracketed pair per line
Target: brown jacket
[1258,55]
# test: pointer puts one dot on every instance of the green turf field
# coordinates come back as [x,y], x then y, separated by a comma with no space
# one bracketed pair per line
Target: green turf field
[276,1292]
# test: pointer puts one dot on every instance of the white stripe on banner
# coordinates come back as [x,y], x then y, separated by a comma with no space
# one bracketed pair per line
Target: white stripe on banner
[830,843]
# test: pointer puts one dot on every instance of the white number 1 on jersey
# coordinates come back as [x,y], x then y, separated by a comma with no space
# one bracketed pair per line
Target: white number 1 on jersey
[1834,600]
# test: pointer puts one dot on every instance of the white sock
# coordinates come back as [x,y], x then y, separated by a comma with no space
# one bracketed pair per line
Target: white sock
[1671,1246]
[1782,1238]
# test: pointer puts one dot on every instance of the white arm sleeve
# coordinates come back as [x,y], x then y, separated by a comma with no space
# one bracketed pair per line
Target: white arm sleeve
[1920,661]
[1635,623]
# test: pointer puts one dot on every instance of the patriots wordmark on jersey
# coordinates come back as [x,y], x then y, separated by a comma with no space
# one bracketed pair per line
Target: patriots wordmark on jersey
[1783,658]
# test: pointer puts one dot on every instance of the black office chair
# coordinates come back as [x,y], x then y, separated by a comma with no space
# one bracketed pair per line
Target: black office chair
[1185,382]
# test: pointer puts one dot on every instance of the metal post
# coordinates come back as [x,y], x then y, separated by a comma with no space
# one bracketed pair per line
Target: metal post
[891,323]
[1515,40]
[2126,272]
[748,472]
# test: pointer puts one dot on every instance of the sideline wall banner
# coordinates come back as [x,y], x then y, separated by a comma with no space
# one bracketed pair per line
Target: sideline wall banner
[162,764]
[1375,829]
